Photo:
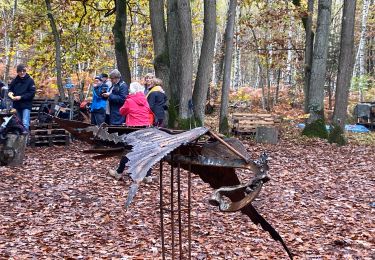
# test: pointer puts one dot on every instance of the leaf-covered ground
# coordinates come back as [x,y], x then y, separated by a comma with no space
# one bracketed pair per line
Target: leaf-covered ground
[63,204]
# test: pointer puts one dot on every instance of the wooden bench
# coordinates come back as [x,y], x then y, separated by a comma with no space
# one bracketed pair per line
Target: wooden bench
[246,124]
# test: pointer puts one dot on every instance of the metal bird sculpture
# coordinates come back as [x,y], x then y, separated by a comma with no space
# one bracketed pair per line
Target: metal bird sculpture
[213,159]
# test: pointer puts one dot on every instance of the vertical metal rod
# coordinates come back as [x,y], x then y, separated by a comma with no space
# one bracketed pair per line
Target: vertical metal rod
[162,211]
[179,208]
[172,206]
[189,210]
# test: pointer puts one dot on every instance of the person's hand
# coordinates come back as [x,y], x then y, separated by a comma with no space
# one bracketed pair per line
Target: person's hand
[11,95]
[16,98]
[105,94]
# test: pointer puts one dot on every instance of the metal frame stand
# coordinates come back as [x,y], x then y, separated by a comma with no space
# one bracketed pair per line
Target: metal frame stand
[173,239]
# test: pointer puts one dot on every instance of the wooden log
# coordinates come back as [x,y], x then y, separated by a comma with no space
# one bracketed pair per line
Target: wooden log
[13,151]
[266,134]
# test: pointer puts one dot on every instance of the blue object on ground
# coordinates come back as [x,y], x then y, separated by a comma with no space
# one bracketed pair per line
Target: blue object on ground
[349,128]
[356,128]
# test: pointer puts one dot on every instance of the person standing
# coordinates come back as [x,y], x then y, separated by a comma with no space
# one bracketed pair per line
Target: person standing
[136,109]
[22,92]
[115,96]
[98,104]
[138,114]
[105,79]
[148,82]
[157,100]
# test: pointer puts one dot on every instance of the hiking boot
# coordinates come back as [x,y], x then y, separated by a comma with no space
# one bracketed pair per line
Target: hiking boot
[115,174]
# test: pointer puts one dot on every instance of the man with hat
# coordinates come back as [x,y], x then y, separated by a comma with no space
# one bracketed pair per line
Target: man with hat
[106,80]
[22,92]
[98,104]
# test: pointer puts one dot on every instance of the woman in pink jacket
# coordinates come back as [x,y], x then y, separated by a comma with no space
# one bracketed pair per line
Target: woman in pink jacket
[136,108]
[137,113]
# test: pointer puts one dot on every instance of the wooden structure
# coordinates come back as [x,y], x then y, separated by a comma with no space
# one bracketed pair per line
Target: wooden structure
[48,134]
[246,123]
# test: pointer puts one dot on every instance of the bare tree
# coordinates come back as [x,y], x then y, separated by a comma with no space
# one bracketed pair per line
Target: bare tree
[173,38]
[159,37]
[118,31]
[186,57]
[205,60]
[346,62]
[309,42]
[360,57]
[56,37]
[319,62]
[229,33]
[11,37]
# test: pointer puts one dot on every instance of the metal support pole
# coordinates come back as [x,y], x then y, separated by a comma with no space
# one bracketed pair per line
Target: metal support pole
[179,209]
[172,208]
[189,210]
[162,211]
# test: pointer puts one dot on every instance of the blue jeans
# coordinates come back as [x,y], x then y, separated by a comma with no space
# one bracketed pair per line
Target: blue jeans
[97,118]
[24,116]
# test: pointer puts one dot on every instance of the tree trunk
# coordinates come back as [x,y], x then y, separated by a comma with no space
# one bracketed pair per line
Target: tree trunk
[173,37]
[159,37]
[13,151]
[276,100]
[56,36]
[359,67]
[229,32]
[237,66]
[118,31]
[309,41]
[205,61]
[220,50]
[319,62]
[8,60]
[185,58]
[346,61]
[288,74]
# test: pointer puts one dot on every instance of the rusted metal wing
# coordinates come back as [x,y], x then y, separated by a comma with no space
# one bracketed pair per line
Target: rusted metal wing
[149,147]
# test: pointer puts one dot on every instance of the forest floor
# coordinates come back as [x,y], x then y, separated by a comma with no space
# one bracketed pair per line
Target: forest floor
[63,204]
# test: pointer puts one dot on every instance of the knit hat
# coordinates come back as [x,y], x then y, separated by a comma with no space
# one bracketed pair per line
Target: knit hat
[99,77]
[21,67]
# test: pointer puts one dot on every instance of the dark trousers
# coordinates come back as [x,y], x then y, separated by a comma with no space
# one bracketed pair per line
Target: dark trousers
[122,164]
[159,123]
[107,121]
[97,118]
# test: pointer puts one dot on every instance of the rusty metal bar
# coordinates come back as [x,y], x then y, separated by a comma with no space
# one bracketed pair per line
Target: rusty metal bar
[161,211]
[179,208]
[172,208]
[228,146]
[189,209]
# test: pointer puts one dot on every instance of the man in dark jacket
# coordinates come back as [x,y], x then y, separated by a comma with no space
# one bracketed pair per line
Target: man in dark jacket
[116,96]
[22,92]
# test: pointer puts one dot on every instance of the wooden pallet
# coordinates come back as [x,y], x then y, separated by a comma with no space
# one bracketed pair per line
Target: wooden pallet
[48,134]
[37,126]
[49,140]
[246,123]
